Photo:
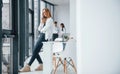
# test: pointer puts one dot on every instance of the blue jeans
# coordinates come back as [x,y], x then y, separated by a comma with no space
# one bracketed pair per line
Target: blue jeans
[37,49]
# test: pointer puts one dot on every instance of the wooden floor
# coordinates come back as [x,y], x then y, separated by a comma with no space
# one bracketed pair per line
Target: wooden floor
[35,64]
[40,72]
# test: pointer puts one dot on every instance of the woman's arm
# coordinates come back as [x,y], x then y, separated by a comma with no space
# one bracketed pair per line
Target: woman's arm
[40,26]
[43,20]
[49,23]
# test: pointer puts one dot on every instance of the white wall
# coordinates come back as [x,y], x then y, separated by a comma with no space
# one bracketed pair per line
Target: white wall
[62,15]
[73,18]
[98,36]
[72,27]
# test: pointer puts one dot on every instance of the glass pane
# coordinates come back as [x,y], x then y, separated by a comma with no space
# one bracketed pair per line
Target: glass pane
[30,4]
[6,15]
[30,23]
[36,19]
[52,12]
[30,45]
[6,55]
[42,7]
[49,6]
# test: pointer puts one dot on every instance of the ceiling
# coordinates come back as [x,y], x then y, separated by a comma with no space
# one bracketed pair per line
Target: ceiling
[58,2]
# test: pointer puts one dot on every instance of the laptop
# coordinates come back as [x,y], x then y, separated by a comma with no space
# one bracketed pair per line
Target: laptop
[65,36]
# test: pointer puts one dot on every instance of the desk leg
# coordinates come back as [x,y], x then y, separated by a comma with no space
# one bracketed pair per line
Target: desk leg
[47,58]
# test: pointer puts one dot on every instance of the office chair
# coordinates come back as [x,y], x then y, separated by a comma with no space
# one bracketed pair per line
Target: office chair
[63,52]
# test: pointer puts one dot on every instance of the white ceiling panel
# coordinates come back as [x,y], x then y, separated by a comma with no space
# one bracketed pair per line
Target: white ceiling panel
[58,2]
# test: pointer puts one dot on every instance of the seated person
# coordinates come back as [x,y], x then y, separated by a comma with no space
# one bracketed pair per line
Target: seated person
[55,31]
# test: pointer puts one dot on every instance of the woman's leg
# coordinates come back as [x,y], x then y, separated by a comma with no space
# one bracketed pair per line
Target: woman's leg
[39,59]
[37,49]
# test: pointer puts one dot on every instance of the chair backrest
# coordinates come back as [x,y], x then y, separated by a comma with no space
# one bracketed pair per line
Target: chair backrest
[70,49]
[57,45]
[67,49]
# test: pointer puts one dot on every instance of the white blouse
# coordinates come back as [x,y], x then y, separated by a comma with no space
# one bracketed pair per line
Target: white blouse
[62,32]
[47,29]
[55,29]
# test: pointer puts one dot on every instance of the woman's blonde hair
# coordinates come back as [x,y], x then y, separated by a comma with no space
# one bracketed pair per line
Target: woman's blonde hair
[48,11]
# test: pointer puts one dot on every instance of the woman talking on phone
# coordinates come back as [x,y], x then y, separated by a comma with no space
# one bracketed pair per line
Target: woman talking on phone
[45,29]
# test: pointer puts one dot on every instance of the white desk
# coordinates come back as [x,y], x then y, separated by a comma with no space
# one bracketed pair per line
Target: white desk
[47,57]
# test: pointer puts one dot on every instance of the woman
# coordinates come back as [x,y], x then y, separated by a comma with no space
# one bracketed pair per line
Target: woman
[45,29]
[62,30]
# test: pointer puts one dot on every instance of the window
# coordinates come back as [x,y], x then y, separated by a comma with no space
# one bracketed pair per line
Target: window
[42,6]
[6,15]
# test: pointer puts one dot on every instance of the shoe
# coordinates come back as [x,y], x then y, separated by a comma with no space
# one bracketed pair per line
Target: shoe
[25,69]
[39,68]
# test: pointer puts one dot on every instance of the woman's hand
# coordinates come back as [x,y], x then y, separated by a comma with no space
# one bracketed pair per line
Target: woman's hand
[43,20]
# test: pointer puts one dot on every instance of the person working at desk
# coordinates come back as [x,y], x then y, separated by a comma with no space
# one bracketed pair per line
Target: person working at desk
[45,29]
[62,30]
[55,31]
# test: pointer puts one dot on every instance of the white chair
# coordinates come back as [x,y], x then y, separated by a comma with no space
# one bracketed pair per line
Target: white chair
[57,48]
[64,50]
